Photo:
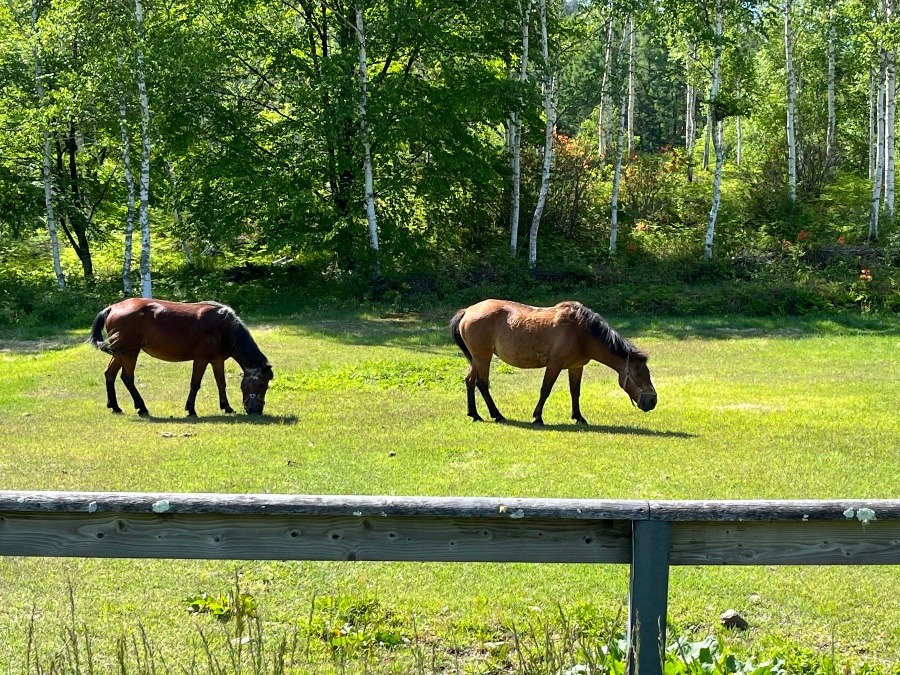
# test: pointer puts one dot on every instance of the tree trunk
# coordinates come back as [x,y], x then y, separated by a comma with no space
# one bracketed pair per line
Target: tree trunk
[605,97]
[130,193]
[890,103]
[364,129]
[45,170]
[717,137]
[144,203]
[550,115]
[620,142]
[690,114]
[791,105]
[706,136]
[516,134]
[872,122]
[832,118]
[878,174]
[632,48]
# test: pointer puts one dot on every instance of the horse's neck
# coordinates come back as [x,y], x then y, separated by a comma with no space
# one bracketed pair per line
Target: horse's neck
[246,352]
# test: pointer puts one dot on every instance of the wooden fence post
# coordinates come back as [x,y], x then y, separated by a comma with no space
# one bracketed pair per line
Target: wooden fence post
[648,596]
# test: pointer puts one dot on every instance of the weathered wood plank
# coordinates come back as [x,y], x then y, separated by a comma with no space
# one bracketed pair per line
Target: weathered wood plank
[828,542]
[287,537]
[856,510]
[326,505]
[648,593]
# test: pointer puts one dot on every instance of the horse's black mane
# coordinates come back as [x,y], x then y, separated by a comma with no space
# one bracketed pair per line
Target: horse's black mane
[603,332]
[246,351]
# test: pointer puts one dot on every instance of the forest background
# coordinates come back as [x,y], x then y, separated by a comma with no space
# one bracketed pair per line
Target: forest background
[682,157]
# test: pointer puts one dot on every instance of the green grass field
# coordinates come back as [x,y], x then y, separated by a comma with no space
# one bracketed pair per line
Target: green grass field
[369,404]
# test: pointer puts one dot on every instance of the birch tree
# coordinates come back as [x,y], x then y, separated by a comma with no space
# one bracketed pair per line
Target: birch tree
[620,142]
[144,184]
[129,190]
[791,103]
[515,129]
[604,114]
[45,166]
[632,48]
[717,132]
[878,173]
[690,113]
[832,117]
[364,131]
[549,87]
[890,104]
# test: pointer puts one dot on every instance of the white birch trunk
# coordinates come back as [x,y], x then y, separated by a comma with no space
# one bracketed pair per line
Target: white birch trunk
[605,97]
[717,137]
[144,181]
[516,135]
[45,167]
[690,119]
[130,194]
[706,136]
[364,128]
[878,173]
[550,115]
[832,117]
[632,48]
[890,103]
[620,142]
[872,122]
[791,103]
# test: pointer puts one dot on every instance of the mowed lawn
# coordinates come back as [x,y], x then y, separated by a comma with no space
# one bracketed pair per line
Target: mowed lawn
[369,404]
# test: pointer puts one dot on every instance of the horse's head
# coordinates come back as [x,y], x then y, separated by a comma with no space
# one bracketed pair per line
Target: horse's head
[634,378]
[254,385]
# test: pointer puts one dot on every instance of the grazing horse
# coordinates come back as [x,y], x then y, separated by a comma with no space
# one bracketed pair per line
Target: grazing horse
[566,336]
[207,333]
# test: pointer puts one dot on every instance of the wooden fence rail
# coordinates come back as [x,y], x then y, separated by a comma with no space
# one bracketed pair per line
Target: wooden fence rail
[647,535]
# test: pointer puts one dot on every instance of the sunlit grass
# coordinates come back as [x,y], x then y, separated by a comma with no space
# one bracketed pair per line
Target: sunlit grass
[748,409]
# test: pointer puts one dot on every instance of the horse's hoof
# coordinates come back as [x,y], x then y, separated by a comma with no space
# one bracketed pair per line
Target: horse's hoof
[580,420]
[499,419]
[143,413]
[538,422]
[476,418]
[228,410]
[192,415]
[116,411]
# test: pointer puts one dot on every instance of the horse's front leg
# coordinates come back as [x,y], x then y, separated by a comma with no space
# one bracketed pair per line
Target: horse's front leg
[218,368]
[575,391]
[110,375]
[550,375]
[196,379]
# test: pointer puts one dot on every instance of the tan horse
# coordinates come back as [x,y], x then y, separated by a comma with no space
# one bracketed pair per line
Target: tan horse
[206,333]
[566,336]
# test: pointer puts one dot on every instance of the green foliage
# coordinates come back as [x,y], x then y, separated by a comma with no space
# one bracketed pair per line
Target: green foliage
[222,606]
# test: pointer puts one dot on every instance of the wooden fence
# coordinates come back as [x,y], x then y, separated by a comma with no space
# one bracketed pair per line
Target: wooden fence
[647,535]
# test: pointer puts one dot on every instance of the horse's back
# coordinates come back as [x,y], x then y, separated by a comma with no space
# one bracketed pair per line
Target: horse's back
[522,335]
[171,331]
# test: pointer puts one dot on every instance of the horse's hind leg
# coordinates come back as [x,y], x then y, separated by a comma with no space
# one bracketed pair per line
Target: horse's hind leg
[196,379]
[110,375]
[218,368]
[472,412]
[129,361]
[482,380]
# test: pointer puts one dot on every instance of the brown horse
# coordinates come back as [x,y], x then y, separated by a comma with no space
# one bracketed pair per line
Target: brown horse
[566,336]
[207,333]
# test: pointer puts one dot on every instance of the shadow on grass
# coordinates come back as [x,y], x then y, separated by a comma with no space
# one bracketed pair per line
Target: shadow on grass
[598,429]
[285,420]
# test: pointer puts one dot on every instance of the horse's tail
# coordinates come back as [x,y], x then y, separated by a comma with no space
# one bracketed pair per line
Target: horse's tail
[96,339]
[457,336]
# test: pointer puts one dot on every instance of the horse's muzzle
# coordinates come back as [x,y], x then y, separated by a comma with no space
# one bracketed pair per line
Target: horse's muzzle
[253,405]
[647,402]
